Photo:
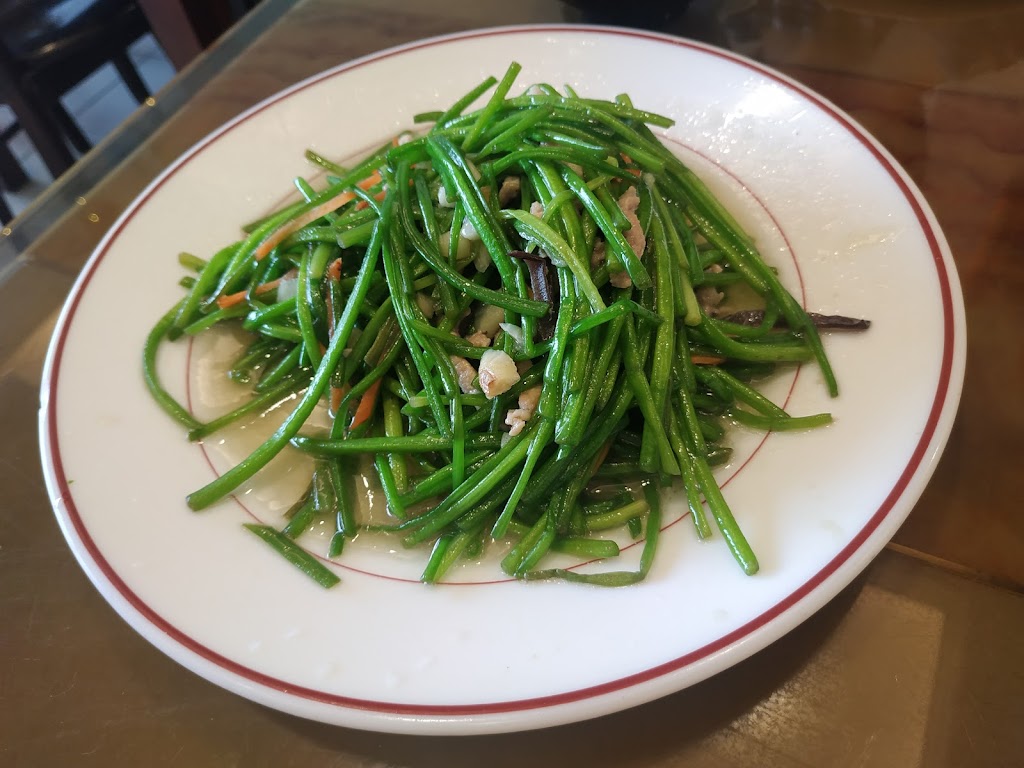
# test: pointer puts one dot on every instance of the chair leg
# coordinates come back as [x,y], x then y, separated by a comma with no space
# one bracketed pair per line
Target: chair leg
[12,175]
[130,75]
[47,139]
[5,212]
[70,128]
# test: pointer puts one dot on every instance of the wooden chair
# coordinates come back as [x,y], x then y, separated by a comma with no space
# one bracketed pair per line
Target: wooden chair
[49,46]
[185,28]
[5,212]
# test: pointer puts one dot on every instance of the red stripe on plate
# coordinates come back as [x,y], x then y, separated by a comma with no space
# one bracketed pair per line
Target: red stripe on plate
[485,708]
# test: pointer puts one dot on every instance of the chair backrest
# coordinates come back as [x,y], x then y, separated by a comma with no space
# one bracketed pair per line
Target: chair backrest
[63,41]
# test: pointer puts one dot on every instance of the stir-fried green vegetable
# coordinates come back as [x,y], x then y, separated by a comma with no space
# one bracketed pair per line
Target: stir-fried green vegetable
[508,313]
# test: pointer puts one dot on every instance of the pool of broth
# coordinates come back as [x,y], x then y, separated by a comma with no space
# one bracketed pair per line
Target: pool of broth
[269,496]
[277,487]
[283,481]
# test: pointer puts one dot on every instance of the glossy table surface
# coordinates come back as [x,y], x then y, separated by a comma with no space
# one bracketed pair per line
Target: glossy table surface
[919,662]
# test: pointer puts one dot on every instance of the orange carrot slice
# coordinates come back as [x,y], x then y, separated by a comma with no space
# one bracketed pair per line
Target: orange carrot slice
[233,299]
[379,197]
[627,159]
[706,359]
[329,205]
[370,181]
[276,237]
[337,395]
[366,405]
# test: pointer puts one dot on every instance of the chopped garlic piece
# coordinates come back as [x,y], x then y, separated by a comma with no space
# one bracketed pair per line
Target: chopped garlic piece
[481,259]
[516,333]
[426,304]
[497,373]
[287,288]
[487,319]
[468,231]
[462,253]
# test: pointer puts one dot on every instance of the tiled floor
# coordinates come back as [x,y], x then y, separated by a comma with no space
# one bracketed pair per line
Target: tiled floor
[98,104]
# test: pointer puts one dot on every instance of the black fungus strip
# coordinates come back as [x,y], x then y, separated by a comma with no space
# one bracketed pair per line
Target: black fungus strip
[754,317]
[541,289]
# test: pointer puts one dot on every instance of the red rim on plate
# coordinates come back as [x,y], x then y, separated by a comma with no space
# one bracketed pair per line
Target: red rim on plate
[946,394]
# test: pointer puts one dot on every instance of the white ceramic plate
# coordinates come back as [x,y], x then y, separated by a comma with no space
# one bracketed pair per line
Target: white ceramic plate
[849,232]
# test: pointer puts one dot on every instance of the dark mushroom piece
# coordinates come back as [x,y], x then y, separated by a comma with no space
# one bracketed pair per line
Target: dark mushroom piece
[754,317]
[541,288]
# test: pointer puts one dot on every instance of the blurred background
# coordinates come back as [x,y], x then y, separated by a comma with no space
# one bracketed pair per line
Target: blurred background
[71,71]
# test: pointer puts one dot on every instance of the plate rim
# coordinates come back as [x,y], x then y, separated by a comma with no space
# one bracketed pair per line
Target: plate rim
[653,682]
